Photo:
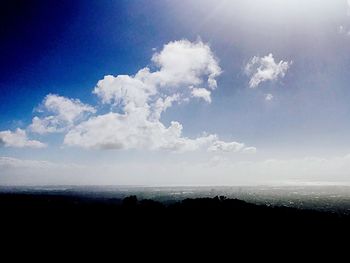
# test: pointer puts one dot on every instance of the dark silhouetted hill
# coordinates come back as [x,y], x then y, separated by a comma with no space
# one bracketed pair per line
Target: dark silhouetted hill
[80,221]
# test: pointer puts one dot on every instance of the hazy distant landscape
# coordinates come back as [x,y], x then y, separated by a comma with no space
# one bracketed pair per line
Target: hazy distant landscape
[335,199]
[201,214]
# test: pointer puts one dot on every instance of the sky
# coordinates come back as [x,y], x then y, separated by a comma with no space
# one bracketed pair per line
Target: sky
[193,92]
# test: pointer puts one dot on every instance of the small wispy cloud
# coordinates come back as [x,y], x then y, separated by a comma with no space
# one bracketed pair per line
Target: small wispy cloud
[261,69]
[268,97]
[202,93]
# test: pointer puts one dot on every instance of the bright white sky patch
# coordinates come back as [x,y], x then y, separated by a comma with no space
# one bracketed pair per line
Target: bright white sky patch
[217,170]
[261,69]
[18,139]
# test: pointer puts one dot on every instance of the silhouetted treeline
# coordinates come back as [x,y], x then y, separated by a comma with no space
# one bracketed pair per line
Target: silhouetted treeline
[82,218]
[217,208]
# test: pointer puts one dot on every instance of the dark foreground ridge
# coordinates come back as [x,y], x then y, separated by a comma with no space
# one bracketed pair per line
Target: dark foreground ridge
[218,212]
[77,219]
[56,221]
[32,220]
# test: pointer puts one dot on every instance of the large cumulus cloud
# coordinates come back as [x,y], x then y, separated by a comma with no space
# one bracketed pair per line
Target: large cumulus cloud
[180,72]
[183,70]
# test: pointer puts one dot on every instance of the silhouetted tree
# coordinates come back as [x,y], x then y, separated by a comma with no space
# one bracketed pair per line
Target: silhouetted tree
[130,202]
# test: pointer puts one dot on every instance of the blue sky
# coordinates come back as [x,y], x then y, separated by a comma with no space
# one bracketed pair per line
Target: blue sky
[278,111]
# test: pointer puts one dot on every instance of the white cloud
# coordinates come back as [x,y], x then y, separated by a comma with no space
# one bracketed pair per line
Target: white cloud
[124,131]
[220,146]
[186,63]
[181,70]
[182,65]
[125,91]
[141,99]
[261,69]
[18,139]
[201,93]
[268,97]
[249,150]
[64,113]
[133,131]
[162,104]
[48,124]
